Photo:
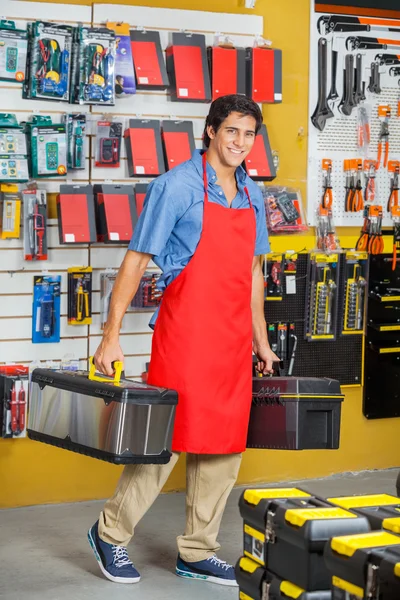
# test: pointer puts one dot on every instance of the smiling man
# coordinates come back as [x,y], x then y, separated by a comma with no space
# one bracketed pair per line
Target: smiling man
[203,224]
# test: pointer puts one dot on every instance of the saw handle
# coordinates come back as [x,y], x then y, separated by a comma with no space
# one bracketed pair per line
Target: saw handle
[118,372]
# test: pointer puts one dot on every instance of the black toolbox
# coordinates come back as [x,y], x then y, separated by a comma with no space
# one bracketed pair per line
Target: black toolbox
[354,563]
[296,538]
[389,574]
[117,420]
[381,510]
[256,508]
[279,589]
[295,413]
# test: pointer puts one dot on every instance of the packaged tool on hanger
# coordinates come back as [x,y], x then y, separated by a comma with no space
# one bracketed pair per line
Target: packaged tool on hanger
[76,140]
[371,239]
[94,66]
[13,168]
[395,215]
[148,60]
[13,150]
[384,114]
[292,347]
[354,198]
[355,290]
[290,270]
[13,50]
[108,144]
[371,188]
[327,240]
[140,196]
[12,141]
[148,296]
[274,281]
[13,401]
[259,162]
[321,304]
[363,127]
[48,147]
[107,280]
[353,562]
[11,211]
[327,195]
[394,169]
[35,224]
[272,332]
[188,69]
[76,214]
[227,66]
[109,418]
[124,72]
[144,148]
[46,309]
[264,72]
[178,142]
[116,212]
[49,61]
[80,296]
[284,210]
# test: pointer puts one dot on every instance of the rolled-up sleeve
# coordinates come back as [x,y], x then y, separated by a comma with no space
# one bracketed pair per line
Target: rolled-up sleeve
[262,239]
[156,221]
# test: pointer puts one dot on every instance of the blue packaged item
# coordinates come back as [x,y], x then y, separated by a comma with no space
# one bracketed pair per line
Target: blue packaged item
[46,309]
[124,72]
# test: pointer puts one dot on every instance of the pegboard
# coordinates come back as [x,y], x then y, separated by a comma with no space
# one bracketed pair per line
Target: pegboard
[338,141]
[340,359]
[16,274]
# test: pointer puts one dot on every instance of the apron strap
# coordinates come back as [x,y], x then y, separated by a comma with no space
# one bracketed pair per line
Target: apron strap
[248,196]
[205,181]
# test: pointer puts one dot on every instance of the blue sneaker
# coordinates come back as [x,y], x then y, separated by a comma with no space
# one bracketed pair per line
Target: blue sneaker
[113,560]
[212,569]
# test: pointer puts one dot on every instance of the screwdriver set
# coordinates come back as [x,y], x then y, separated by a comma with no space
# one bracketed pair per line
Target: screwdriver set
[356,277]
[35,224]
[147,297]
[80,296]
[321,304]
[13,401]
[46,309]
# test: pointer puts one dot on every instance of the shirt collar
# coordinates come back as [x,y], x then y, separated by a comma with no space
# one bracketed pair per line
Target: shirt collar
[197,159]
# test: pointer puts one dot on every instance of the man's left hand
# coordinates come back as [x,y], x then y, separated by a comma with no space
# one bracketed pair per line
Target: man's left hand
[265,357]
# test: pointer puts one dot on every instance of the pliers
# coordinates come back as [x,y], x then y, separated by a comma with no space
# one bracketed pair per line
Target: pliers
[383,140]
[394,191]
[327,197]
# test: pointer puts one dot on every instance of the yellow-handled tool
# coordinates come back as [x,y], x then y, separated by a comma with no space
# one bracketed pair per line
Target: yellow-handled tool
[118,369]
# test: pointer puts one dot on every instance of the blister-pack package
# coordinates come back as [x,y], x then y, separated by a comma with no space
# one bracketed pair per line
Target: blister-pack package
[76,140]
[13,49]
[108,143]
[35,224]
[284,210]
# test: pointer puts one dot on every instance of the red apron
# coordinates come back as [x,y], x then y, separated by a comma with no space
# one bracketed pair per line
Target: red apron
[202,342]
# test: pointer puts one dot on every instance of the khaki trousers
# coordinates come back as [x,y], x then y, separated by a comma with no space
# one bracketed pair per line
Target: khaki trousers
[209,481]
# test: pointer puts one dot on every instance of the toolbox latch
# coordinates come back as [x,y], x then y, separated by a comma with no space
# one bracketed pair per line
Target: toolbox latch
[270,535]
[265,591]
[372,583]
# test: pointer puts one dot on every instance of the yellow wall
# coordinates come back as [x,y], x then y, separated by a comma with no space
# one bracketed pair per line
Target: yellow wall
[32,473]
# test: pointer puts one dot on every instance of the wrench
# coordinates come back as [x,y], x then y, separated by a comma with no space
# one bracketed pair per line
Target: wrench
[322,111]
[329,24]
[333,95]
[374,85]
[365,43]
[388,59]
[358,90]
[394,71]
[347,104]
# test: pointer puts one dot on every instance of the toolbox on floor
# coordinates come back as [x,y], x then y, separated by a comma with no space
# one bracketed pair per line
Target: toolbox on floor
[279,589]
[116,420]
[251,579]
[295,540]
[257,507]
[354,562]
[295,413]
[389,574]
[381,510]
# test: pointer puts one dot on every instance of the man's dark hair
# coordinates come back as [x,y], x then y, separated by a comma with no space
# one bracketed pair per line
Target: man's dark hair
[222,107]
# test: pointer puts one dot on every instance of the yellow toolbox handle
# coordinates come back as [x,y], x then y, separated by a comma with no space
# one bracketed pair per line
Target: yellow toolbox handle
[118,368]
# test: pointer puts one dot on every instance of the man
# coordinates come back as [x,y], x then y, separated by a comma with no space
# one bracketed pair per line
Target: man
[203,223]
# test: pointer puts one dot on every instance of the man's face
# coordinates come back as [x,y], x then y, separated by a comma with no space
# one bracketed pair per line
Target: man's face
[234,139]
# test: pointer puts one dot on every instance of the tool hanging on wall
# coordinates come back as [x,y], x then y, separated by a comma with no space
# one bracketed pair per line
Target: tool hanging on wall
[35,224]
[322,296]
[108,144]
[384,113]
[11,213]
[274,287]
[292,347]
[395,214]
[327,240]
[370,191]
[327,196]
[284,210]
[79,295]
[76,140]
[367,43]
[348,103]
[333,94]
[371,239]
[364,132]
[374,85]
[341,23]
[394,168]
[148,296]
[356,268]
[322,111]
[13,401]
[46,309]
[107,280]
[354,201]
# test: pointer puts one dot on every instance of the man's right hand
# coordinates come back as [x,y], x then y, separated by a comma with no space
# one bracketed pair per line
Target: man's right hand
[108,352]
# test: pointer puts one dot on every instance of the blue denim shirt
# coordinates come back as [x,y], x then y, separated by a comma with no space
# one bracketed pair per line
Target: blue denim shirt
[171,222]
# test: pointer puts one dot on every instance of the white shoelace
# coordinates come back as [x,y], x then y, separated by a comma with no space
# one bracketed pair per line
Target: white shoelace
[121,558]
[219,563]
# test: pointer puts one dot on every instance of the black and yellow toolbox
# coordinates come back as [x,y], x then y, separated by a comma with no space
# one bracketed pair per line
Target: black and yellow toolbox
[255,583]
[296,537]
[257,506]
[389,574]
[295,413]
[381,510]
[354,563]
